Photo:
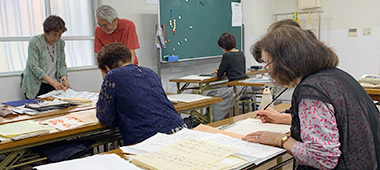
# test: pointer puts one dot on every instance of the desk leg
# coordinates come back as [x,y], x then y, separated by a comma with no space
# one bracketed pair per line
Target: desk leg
[200,90]
[209,118]
[248,107]
[178,88]
[11,159]
[183,88]
[236,109]
[279,161]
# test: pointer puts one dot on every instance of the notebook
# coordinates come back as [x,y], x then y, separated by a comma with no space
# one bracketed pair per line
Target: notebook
[21,102]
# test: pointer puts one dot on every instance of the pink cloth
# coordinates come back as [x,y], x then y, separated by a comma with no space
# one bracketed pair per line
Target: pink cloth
[320,135]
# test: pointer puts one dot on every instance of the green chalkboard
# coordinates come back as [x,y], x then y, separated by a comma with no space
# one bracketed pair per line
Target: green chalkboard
[198,25]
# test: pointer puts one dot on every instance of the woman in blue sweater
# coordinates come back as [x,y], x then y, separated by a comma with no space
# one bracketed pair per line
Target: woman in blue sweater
[132,97]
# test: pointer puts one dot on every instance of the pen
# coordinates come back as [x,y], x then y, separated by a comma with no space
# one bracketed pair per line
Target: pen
[226,126]
[273,100]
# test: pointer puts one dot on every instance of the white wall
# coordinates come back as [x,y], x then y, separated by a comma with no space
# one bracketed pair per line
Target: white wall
[88,80]
[358,55]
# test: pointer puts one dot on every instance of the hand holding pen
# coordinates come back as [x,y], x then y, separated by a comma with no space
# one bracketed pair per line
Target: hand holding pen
[269,115]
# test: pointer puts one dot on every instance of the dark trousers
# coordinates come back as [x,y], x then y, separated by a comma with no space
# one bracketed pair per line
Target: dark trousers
[44,88]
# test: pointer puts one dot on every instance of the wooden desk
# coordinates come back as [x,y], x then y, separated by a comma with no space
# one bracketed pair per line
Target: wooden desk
[374,93]
[255,72]
[192,107]
[45,114]
[203,85]
[4,146]
[238,94]
[280,108]
[17,149]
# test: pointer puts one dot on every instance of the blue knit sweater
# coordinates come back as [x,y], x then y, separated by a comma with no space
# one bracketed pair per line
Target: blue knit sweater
[132,98]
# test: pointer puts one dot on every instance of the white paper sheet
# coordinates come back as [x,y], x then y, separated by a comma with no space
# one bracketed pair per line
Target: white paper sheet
[195,77]
[185,154]
[237,14]
[187,97]
[64,122]
[161,140]
[69,93]
[250,125]
[187,133]
[258,80]
[151,144]
[253,152]
[98,162]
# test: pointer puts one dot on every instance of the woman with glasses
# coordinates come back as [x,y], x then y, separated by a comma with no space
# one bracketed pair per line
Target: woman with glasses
[132,97]
[113,29]
[46,68]
[334,123]
[270,115]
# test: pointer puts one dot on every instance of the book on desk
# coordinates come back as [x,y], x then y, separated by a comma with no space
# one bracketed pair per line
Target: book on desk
[202,149]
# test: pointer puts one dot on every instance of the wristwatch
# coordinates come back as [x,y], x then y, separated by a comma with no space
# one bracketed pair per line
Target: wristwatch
[283,140]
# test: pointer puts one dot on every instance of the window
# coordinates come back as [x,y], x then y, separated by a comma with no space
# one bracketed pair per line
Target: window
[22,19]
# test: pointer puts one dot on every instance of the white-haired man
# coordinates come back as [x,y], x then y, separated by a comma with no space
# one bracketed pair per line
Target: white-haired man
[113,29]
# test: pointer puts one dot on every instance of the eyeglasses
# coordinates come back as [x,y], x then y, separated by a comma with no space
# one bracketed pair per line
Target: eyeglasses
[267,67]
[105,26]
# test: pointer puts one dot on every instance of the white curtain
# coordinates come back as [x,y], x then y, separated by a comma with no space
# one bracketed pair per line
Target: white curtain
[22,19]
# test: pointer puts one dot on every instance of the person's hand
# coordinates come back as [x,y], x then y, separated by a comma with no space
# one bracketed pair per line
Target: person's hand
[57,85]
[270,115]
[66,85]
[264,137]
[216,71]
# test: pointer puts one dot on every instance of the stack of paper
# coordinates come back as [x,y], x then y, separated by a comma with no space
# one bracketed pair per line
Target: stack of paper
[246,152]
[20,128]
[47,105]
[370,80]
[161,140]
[23,110]
[70,94]
[185,154]
[78,100]
[187,97]
[98,162]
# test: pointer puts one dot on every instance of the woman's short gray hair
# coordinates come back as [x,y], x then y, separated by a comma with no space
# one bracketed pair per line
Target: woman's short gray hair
[106,12]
